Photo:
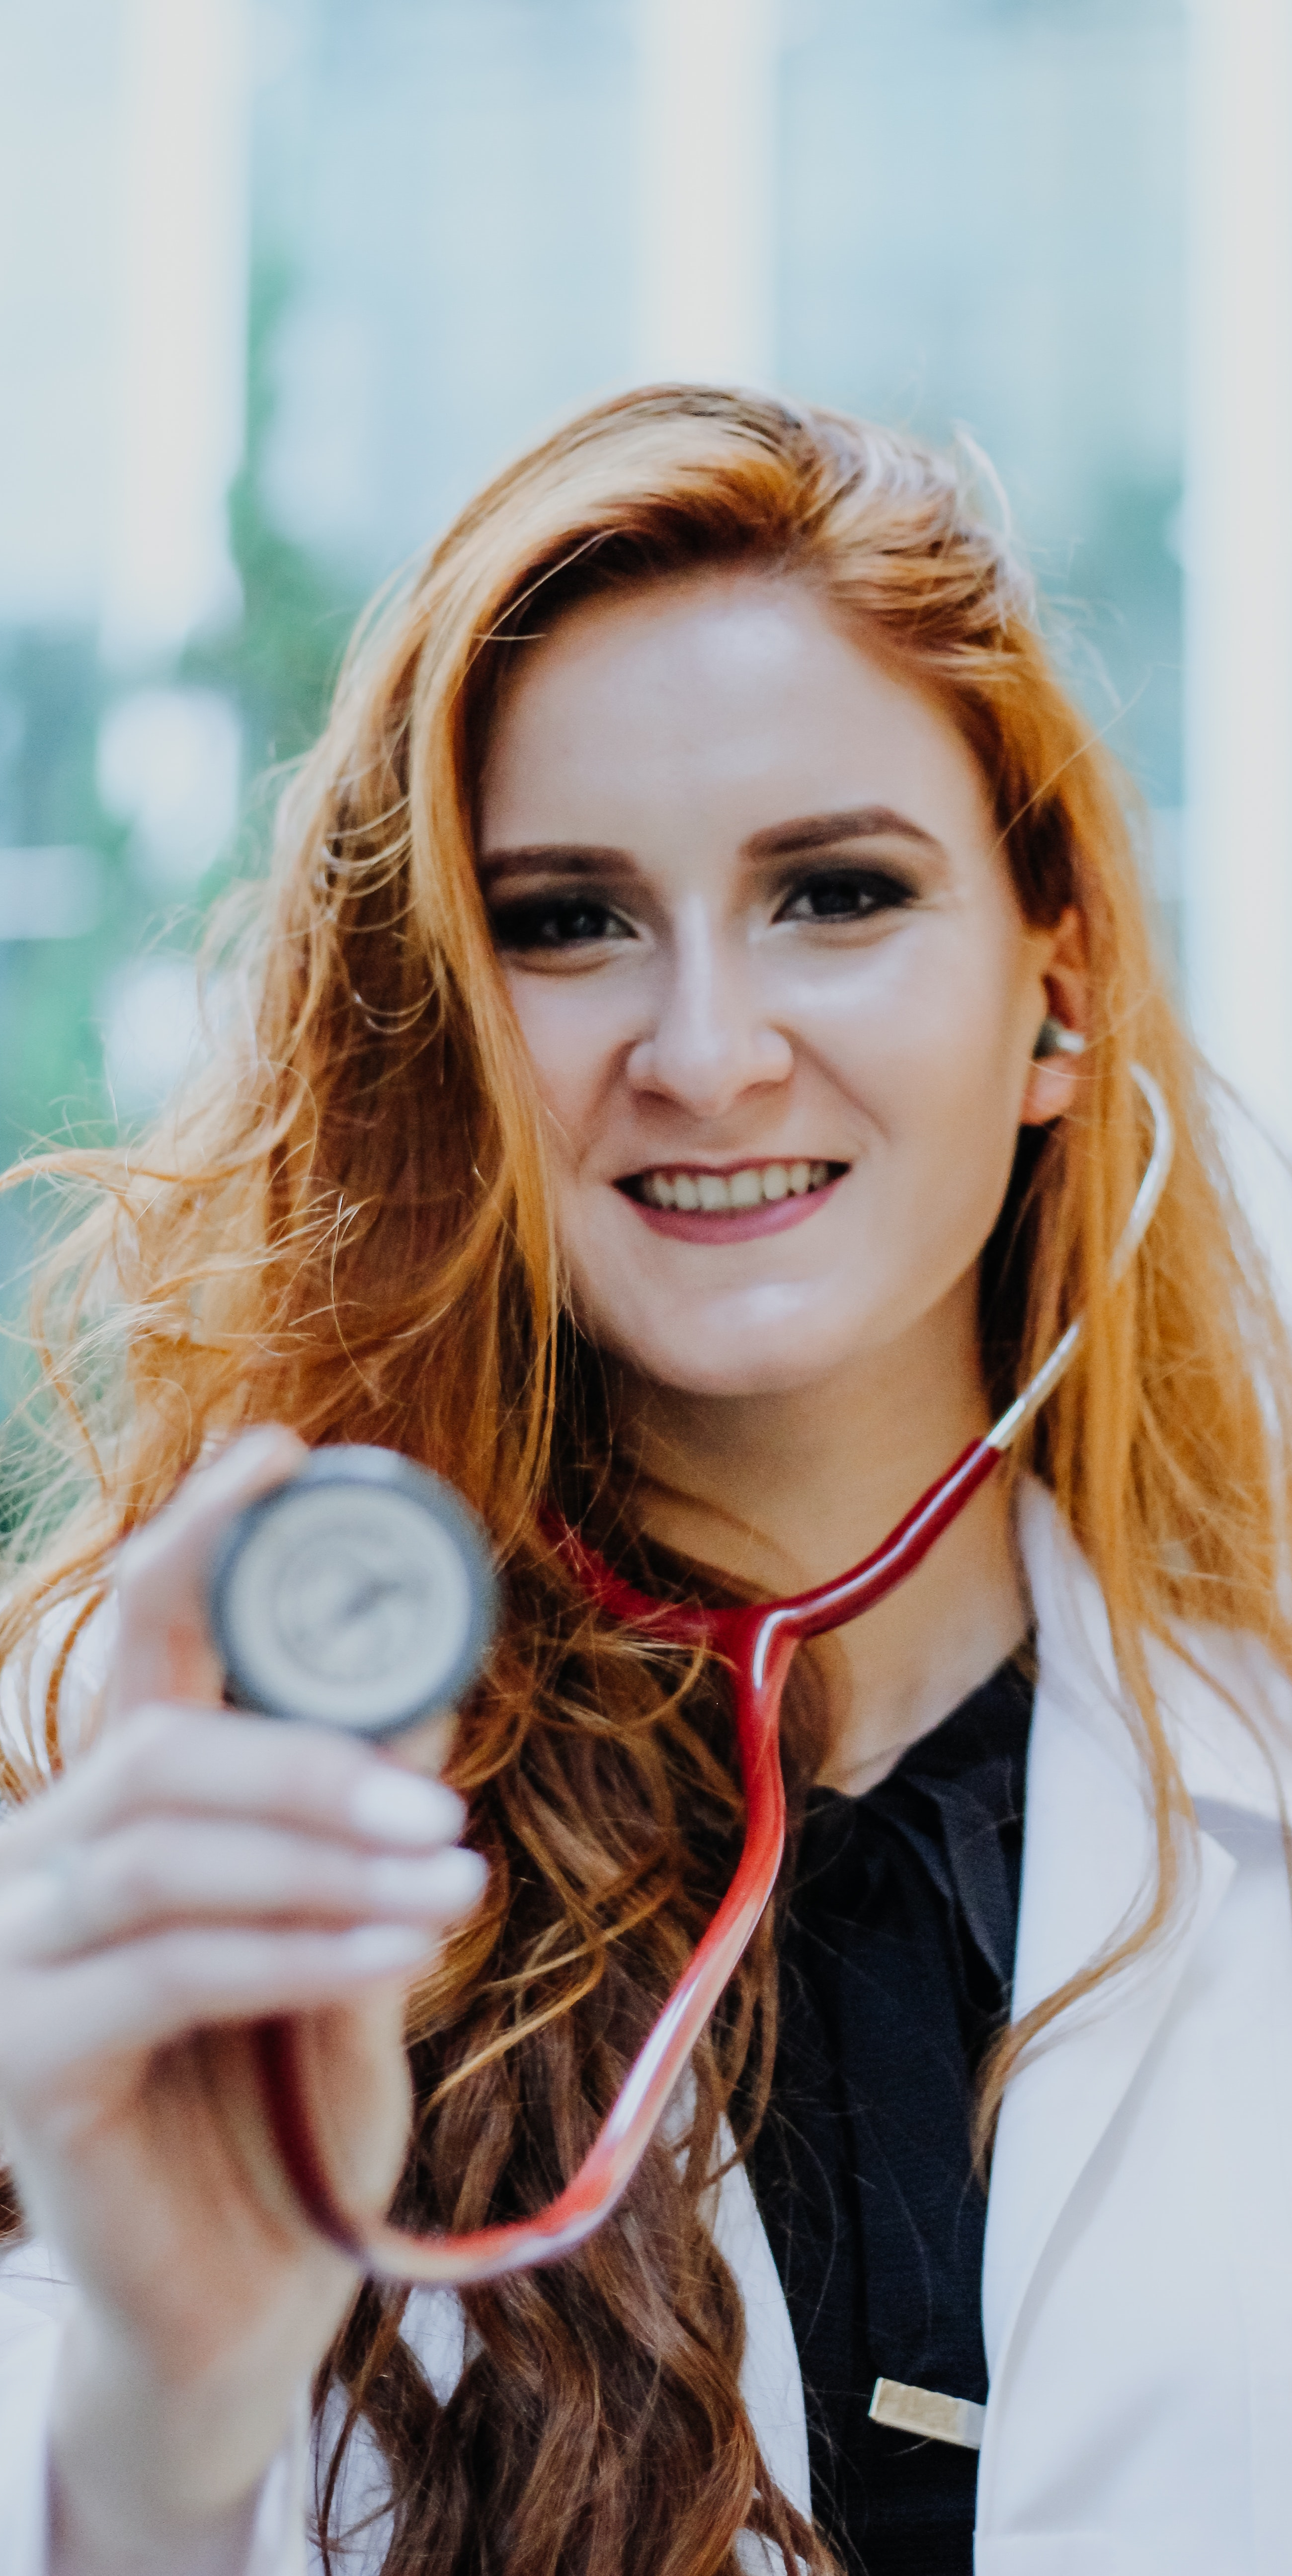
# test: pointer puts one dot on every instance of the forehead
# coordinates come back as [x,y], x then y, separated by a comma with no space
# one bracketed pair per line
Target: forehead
[740,689]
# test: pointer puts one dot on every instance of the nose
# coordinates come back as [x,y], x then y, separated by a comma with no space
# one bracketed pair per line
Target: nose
[710,1042]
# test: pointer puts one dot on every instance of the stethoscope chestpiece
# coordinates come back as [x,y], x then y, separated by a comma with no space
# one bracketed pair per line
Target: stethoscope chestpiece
[361,1594]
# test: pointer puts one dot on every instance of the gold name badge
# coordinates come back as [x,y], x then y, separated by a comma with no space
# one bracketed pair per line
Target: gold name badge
[923,2412]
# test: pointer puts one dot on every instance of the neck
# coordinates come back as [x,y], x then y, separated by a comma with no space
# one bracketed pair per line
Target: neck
[784,1491]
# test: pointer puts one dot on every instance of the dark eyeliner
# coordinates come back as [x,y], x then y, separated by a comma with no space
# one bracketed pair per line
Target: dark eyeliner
[872,890]
[560,921]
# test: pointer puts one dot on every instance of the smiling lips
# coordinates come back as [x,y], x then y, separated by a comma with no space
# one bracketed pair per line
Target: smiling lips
[728,1207]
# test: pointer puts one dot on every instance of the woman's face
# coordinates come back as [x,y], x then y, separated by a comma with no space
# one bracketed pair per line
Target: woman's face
[771,972]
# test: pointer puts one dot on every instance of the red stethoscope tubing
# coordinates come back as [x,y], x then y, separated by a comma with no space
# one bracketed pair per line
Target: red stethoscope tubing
[758,1644]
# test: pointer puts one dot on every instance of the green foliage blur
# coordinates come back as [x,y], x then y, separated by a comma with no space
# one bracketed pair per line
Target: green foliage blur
[277,665]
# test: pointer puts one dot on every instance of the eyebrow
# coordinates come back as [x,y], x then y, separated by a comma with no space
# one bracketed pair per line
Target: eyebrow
[778,841]
[822,831]
[572,858]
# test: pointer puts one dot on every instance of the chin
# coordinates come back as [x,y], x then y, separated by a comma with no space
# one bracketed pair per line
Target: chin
[726,1354]
[731,1375]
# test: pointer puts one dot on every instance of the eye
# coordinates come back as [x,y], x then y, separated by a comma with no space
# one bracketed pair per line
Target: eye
[556,921]
[844,894]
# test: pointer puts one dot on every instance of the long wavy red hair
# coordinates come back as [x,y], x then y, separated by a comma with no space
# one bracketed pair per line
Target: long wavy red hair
[344,1223]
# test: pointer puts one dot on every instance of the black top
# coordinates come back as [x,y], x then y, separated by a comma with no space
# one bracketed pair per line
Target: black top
[896,1964]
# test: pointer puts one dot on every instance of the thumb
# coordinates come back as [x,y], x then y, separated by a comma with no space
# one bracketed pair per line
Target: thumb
[164,1648]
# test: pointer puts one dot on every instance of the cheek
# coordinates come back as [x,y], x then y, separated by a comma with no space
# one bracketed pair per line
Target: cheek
[944,1074]
[570,1039]
[928,1046]
[920,1033]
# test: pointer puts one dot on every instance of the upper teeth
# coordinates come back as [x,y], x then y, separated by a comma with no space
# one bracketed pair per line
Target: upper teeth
[715,1191]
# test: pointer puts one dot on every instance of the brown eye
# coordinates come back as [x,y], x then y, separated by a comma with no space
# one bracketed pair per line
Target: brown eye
[555,922]
[844,894]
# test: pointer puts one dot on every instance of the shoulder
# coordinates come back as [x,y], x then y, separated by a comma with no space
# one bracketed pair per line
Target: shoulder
[1228,1706]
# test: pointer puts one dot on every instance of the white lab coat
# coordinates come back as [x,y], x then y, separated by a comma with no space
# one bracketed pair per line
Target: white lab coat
[1137,2289]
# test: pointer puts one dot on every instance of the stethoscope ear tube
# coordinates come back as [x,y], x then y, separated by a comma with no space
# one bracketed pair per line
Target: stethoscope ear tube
[758,1644]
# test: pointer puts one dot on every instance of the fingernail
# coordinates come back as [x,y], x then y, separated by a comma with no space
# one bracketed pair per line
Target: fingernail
[256,1443]
[400,1807]
[464,1878]
[453,1878]
[383,1945]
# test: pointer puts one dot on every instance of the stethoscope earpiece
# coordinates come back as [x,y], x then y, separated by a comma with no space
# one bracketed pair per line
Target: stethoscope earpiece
[1053,1038]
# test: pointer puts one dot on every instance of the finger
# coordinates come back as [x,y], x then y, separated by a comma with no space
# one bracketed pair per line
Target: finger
[164,1648]
[354,2068]
[160,1872]
[205,1762]
[147,1993]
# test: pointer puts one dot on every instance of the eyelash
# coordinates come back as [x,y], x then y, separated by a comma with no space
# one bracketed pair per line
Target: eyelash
[882,892]
[550,921]
[526,924]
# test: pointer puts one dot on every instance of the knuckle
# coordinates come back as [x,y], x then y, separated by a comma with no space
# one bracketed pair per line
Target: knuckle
[119,1772]
[142,1737]
[119,1766]
[135,1876]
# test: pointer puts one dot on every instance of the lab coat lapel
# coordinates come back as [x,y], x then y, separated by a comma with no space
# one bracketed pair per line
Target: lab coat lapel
[1088,1857]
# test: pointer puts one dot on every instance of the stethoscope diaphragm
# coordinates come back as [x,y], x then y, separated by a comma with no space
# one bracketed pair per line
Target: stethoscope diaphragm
[360,1594]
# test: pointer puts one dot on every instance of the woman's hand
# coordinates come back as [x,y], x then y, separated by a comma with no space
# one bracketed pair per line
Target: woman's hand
[195,1872]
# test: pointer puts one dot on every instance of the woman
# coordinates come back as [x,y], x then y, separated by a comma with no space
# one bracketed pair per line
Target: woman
[654,1103]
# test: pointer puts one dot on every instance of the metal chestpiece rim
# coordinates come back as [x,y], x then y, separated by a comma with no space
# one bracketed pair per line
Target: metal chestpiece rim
[259,1672]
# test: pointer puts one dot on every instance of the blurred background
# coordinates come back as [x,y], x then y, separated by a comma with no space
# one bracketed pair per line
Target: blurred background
[282,280]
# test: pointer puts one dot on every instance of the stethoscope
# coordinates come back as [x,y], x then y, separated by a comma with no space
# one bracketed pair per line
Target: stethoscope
[361,1594]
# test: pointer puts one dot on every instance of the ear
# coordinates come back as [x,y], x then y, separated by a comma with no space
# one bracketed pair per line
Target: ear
[1053,1081]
